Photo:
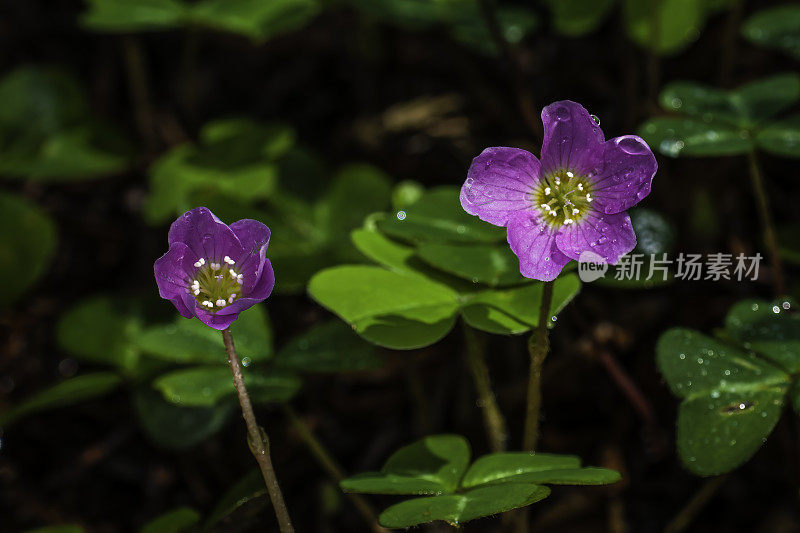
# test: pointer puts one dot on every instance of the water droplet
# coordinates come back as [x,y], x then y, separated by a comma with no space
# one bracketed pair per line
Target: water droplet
[776,309]
[401,215]
[596,119]
[633,145]
[246,361]
[562,113]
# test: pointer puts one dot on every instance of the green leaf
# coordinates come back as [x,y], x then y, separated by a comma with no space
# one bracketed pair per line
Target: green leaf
[515,311]
[356,191]
[101,329]
[698,100]
[68,392]
[328,347]
[175,427]
[732,399]
[778,28]
[497,467]
[494,265]
[406,193]
[121,16]
[578,17]
[762,99]
[674,136]
[205,386]
[431,465]
[771,329]
[29,239]
[439,217]
[654,233]
[248,488]
[675,25]
[794,394]
[174,521]
[540,468]
[468,26]
[381,249]
[47,131]
[255,19]
[392,309]
[235,159]
[781,137]
[191,341]
[459,508]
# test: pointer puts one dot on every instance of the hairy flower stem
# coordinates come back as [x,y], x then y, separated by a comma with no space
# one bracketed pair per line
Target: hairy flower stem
[475,353]
[331,467]
[257,437]
[687,515]
[762,203]
[538,347]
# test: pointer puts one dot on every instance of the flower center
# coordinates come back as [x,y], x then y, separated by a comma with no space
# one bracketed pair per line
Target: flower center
[563,197]
[216,285]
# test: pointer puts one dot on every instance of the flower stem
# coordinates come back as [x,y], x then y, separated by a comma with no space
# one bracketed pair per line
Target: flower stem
[687,515]
[525,103]
[136,66]
[330,466]
[475,353]
[770,240]
[257,437]
[538,347]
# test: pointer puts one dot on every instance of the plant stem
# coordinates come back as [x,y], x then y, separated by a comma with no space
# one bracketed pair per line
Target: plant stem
[525,102]
[140,98]
[770,240]
[538,347]
[257,437]
[475,352]
[330,466]
[685,517]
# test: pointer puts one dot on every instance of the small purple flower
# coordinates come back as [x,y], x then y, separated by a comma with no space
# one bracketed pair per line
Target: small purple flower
[214,271]
[573,201]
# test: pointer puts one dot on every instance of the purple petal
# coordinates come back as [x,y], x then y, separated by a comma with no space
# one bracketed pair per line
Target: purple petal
[260,292]
[610,236]
[498,184]
[206,235]
[172,277]
[216,320]
[251,233]
[572,139]
[626,174]
[534,242]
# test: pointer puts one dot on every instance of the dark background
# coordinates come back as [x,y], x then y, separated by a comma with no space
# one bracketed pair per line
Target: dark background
[91,465]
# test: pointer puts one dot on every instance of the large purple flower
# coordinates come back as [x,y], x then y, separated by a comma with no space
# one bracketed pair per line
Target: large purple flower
[214,271]
[572,201]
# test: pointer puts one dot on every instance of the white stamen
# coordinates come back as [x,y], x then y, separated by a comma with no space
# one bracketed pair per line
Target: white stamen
[232,297]
[568,221]
[575,211]
[197,292]
[198,264]
[558,181]
[239,279]
[229,260]
[588,197]
[215,266]
[569,174]
[545,207]
[207,303]
[233,272]
[580,186]
[221,303]
[547,190]
[553,213]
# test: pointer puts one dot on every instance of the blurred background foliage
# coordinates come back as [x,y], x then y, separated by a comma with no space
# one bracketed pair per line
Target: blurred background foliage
[346,126]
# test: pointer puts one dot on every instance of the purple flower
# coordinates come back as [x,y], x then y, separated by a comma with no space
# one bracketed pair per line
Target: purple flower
[214,271]
[572,201]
